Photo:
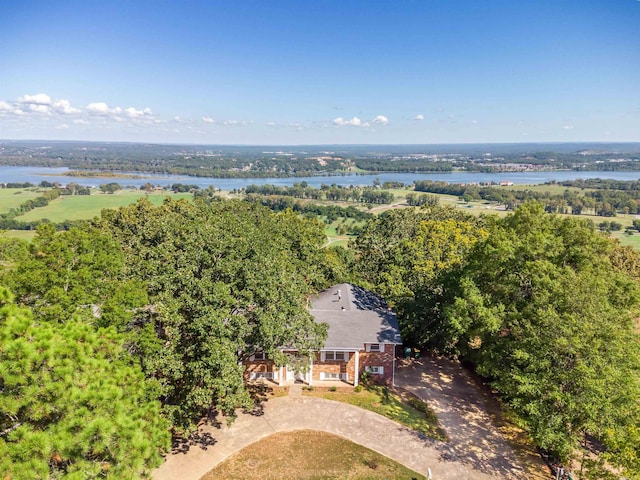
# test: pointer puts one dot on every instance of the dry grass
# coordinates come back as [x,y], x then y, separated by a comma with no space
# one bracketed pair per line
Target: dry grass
[308,455]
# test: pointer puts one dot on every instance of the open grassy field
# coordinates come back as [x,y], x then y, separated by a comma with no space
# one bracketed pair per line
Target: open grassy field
[13,197]
[308,455]
[81,207]
[21,234]
[78,207]
[330,230]
[552,189]
[630,240]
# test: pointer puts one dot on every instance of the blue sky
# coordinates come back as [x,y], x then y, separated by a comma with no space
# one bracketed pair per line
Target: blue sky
[319,72]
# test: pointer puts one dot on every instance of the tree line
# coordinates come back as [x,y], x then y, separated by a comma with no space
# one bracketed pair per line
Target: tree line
[369,195]
[606,202]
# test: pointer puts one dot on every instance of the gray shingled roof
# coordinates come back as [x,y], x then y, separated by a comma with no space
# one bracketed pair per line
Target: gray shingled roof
[365,318]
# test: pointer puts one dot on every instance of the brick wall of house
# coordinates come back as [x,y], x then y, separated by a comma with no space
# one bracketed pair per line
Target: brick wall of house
[379,359]
[374,359]
[258,366]
[331,366]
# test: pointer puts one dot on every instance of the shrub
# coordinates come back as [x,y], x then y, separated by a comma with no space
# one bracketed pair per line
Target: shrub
[418,404]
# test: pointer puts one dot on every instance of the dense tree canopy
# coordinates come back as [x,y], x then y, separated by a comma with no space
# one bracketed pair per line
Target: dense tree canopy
[541,311]
[73,405]
[406,256]
[79,272]
[542,305]
[224,279]
[138,322]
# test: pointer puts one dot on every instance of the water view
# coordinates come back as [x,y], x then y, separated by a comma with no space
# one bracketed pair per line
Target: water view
[35,175]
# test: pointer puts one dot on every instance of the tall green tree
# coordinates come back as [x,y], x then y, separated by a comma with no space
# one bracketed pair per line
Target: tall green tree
[72,404]
[544,311]
[76,272]
[407,255]
[224,279]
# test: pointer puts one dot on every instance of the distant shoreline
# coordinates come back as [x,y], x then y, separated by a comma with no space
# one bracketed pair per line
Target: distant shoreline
[94,174]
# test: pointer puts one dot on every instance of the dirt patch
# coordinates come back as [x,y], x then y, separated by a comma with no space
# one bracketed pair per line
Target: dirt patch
[308,455]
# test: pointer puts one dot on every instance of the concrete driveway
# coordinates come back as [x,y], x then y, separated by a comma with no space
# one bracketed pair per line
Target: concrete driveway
[291,413]
[461,407]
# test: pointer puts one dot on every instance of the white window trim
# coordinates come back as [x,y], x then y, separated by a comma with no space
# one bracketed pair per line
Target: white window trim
[374,369]
[341,376]
[323,356]
[266,375]
[380,347]
[254,357]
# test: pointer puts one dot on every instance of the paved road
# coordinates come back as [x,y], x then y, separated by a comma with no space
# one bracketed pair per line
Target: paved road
[294,412]
[461,408]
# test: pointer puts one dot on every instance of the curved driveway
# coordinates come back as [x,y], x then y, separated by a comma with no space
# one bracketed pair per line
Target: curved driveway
[461,407]
[291,413]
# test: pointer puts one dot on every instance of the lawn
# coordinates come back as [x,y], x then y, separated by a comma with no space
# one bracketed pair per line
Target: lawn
[82,207]
[308,455]
[553,189]
[631,240]
[400,406]
[13,197]
[330,230]
[21,234]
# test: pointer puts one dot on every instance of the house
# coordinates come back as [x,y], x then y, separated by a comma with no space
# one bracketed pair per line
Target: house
[362,337]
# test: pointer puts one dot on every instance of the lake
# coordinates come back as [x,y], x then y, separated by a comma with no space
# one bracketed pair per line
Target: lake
[36,175]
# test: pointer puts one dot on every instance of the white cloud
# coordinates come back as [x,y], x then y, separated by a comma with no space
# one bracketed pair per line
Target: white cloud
[568,127]
[418,117]
[64,106]
[271,124]
[380,120]
[133,113]
[38,108]
[37,99]
[354,122]
[63,126]
[207,119]
[101,108]
[5,107]
[80,121]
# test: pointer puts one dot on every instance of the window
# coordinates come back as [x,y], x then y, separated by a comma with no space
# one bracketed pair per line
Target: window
[335,356]
[374,347]
[333,376]
[374,370]
[266,375]
[259,356]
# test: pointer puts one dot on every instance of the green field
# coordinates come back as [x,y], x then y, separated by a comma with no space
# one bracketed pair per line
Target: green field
[83,207]
[21,234]
[13,197]
[630,240]
[552,189]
